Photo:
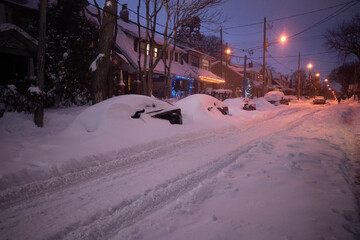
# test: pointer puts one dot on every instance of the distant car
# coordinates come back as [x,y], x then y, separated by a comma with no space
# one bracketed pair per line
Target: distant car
[276,98]
[319,100]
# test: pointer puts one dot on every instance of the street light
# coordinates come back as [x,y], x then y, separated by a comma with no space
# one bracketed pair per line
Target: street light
[317,74]
[326,80]
[227,51]
[283,39]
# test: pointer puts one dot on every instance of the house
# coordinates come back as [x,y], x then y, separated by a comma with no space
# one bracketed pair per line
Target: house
[280,82]
[189,73]
[18,49]
[234,75]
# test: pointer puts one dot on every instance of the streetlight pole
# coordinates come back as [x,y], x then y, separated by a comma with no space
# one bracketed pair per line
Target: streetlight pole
[298,83]
[228,51]
[309,66]
[244,80]
[263,67]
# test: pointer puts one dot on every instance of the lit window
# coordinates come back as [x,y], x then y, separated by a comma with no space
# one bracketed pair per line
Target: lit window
[155,52]
[206,64]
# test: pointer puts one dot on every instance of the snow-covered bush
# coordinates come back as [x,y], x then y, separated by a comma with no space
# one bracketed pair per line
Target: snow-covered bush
[12,100]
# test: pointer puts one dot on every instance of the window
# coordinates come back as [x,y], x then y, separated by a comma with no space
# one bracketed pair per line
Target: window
[206,64]
[194,61]
[136,44]
[155,52]
[176,57]
[148,50]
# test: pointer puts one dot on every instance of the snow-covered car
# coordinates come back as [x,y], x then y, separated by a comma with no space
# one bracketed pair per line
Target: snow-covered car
[319,100]
[276,98]
[126,110]
[249,105]
[158,109]
[202,107]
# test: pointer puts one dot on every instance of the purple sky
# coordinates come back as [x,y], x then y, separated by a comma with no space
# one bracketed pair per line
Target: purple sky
[310,44]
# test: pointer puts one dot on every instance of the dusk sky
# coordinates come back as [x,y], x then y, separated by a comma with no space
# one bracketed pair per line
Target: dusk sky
[282,57]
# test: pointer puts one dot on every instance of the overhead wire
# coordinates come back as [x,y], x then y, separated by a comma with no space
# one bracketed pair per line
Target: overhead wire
[292,16]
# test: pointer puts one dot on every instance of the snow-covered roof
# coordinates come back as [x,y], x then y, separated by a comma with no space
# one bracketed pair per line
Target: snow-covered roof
[188,49]
[4,27]
[126,34]
[132,29]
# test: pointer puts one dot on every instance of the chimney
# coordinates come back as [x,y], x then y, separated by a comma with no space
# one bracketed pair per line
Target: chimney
[124,13]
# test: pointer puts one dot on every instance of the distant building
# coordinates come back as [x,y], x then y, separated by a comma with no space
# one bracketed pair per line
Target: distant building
[234,75]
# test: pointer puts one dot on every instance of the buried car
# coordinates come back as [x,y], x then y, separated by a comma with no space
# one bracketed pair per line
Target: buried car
[202,107]
[319,100]
[159,109]
[276,98]
[126,110]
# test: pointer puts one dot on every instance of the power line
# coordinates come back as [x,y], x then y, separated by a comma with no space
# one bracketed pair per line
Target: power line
[292,16]
[306,55]
[331,16]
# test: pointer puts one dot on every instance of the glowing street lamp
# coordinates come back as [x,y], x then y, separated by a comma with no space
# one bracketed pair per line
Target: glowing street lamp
[309,66]
[283,39]
[228,51]
[317,74]
[326,80]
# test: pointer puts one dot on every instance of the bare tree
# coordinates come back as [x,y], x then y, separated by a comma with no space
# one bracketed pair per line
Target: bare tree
[100,78]
[345,38]
[177,12]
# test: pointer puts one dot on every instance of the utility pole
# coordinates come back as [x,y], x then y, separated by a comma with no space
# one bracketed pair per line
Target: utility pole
[226,63]
[39,111]
[221,53]
[244,80]
[298,85]
[263,67]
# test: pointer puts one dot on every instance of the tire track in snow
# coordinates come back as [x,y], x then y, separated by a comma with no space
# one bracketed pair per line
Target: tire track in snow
[119,160]
[130,211]
[114,161]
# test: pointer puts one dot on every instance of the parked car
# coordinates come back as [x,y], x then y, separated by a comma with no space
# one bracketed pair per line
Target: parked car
[319,100]
[276,98]
[249,105]
[159,109]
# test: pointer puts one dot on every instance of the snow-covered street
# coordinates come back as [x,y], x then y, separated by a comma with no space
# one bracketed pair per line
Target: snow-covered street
[277,173]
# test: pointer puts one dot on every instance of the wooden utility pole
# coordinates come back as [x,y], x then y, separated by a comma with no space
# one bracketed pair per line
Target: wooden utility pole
[39,111]
[298,83]
[221,54]
[244,80]
[264,62]
[226,61]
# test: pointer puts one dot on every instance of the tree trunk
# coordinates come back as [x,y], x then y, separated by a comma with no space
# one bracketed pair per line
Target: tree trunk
[39,111]
[100,88]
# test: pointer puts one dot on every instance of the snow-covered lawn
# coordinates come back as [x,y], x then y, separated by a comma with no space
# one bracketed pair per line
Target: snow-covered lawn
[280,172]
